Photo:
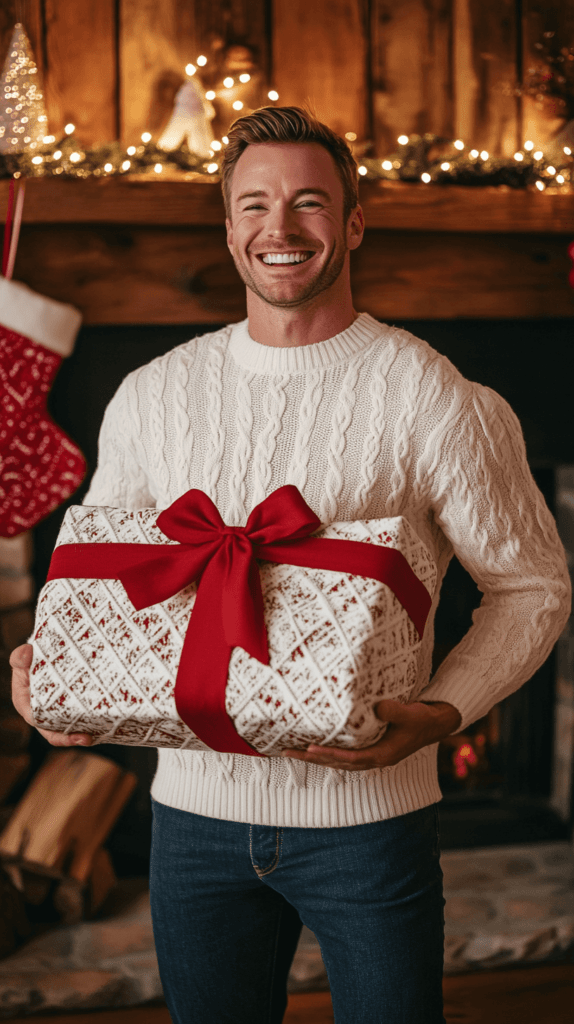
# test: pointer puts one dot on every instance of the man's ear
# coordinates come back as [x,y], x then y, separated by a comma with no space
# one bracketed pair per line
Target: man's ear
[355,228]
[229,229]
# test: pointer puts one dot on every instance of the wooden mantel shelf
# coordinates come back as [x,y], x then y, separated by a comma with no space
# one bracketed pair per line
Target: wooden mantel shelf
[394,206]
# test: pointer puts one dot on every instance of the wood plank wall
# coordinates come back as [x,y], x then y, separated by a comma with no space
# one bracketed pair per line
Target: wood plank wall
[377,68]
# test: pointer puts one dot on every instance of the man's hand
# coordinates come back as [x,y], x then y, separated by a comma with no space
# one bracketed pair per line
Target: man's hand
[20,660]
[411,726]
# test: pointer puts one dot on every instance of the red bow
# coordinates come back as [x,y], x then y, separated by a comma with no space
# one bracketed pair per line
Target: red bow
[228,610]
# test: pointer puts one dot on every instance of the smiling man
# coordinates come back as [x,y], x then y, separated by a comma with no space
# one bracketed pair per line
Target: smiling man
[367,421]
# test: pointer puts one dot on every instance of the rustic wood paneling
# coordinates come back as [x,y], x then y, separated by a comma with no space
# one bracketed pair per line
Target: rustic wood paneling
[186,275]
[320,58]
[411,57]
[485,74]
[543,117]
[81,68]
[157,40]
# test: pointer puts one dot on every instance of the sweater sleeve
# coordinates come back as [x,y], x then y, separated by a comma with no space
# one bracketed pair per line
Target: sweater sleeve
[120,479]
[487,504]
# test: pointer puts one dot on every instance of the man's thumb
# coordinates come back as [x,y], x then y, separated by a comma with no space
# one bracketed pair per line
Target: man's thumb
[21,657]
[390,710]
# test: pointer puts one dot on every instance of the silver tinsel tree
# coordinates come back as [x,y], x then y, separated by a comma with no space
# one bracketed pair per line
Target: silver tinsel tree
[23,120]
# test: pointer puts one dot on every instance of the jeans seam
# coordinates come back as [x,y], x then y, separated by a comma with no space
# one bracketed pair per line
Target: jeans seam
[278,846]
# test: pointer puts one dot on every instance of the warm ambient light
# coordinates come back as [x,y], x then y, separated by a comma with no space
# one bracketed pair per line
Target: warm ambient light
[362,169]
[445,166]
[519,157]
[48,139]
[402,140]
[351,136]
[237,105]
[158,168]
[228,82]
[459,144]
[190,69]
[273,95]
[540,185]
[212,168]
[245,78]
[69,129]
[210,95]
[474,153]
[224,139]
[387,165]
[560,179]
[567,150]
[425,177]
[146,137]
[538,154]
[484,155]
[551,170]
[126,165]
[202,61]
[37,159]
[57,154]
[75,158]
[108,167]
[131,150]
[528,145]
[216,145]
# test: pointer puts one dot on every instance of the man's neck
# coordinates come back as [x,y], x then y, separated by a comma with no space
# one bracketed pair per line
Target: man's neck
[289,328]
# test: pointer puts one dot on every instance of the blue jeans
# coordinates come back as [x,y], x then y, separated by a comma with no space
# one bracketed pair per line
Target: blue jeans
[228,899]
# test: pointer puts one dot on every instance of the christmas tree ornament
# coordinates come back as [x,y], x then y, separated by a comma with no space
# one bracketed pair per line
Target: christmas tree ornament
[23,119]
[190,121]
[40,467]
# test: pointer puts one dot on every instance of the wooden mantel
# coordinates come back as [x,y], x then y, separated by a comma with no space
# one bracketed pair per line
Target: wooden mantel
[129,251]
[393,206]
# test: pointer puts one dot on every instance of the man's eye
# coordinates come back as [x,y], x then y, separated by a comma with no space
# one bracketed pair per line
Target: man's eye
[256,206]
[309,202]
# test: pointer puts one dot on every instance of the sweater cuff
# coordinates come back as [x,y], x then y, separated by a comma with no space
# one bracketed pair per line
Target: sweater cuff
[457,692]
[47,322]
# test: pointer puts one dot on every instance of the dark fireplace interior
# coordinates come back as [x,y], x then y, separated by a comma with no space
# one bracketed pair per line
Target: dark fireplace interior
[496,779]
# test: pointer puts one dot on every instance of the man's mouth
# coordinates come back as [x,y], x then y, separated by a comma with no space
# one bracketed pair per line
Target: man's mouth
[272,259]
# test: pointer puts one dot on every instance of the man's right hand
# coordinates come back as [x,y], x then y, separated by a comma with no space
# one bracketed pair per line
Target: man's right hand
[20,660]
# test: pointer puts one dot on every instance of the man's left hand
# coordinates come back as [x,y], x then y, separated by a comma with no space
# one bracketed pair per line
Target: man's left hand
[411,726]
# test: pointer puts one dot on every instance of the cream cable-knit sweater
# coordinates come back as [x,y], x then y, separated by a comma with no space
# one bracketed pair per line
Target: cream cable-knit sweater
[370,423]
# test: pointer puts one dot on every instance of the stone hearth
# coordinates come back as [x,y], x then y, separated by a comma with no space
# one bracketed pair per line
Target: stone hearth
[504,905]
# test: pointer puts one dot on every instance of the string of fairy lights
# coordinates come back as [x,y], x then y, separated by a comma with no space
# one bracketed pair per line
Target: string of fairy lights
[426,159]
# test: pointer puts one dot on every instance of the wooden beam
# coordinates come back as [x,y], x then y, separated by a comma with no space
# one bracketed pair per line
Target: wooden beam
[320,58]
[411,69]
[485,74]
[120,275]
[392,205]
[81,68]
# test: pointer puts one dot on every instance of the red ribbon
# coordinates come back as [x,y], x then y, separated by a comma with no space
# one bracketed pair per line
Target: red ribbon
[228,609]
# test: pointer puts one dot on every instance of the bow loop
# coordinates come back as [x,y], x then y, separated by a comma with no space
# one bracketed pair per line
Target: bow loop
[283,516]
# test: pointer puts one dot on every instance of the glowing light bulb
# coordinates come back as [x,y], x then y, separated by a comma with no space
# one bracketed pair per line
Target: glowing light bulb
[126,165]
[567,150]
[528,145]
[402,140]
[560,179]
[458,144]
[228,82]
[237,105]
[474,153]
[48,139]
[69,129]
[131,150]
[158,168]
[484,154]
[273,94]
[362,169]
[224,139]
[146,137]
[538,154]
[445,166]
[387,165]
[202,61]
[551,170]
[425,176]
[245,78]
[190,69]
[75,158]
[57,154]
[519,157]
[210,94]
[108,167]
[212,168]
[351,136]
[37,160]
[540,185]
[216,145]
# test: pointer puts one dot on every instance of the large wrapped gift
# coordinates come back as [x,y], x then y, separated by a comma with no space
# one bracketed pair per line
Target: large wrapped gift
[170,629]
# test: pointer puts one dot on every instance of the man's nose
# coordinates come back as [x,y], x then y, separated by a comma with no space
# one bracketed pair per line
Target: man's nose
[282,220]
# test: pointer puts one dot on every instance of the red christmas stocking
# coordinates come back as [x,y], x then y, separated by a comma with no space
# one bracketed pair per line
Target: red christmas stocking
[40,467]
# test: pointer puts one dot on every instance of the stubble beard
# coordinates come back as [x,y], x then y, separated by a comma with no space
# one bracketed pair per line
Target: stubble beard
[326,277]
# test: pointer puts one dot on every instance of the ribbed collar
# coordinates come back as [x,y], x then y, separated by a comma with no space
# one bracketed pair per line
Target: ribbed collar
[269,359]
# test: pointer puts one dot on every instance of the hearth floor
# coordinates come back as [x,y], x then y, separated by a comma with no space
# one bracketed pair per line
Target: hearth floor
[505,906]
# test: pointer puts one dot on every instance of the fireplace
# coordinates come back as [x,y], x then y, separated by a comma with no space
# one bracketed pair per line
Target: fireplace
[507,779]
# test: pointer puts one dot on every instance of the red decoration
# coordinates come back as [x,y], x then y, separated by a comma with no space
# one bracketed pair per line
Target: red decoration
[571,255]
[40,467]
[228,610]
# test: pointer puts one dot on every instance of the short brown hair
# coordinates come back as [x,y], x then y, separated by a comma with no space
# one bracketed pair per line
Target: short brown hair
[289,124]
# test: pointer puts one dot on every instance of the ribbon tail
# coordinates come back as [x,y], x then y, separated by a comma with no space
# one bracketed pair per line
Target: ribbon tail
[202,675]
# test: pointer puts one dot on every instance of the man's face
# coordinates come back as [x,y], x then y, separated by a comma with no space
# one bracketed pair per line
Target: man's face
[287,202]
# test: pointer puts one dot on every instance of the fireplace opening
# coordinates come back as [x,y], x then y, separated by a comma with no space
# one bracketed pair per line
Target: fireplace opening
[507,779]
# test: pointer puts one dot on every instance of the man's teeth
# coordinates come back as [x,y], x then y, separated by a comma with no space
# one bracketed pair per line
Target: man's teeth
[287,257]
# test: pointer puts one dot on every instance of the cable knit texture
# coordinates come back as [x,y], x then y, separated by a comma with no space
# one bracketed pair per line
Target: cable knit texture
[370,423]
